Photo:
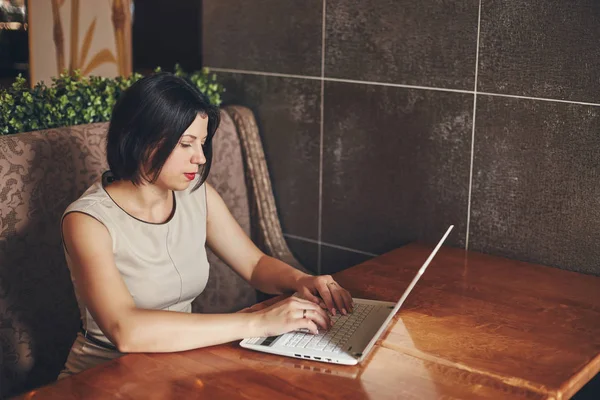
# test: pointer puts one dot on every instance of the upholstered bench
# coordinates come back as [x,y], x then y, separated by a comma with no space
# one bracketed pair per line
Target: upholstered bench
[40,174]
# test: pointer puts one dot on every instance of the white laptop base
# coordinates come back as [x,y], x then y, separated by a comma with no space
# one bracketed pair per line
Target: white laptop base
[352,336]
[344,343]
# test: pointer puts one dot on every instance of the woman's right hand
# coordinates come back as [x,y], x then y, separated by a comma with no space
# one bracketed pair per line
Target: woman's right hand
[292,314]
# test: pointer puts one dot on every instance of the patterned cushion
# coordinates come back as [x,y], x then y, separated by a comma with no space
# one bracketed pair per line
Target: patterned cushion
[40,174]
[226,291]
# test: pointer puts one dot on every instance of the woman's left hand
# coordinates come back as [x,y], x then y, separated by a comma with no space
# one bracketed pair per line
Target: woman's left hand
[326,292]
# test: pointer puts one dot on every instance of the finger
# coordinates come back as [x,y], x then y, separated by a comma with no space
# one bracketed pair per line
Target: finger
[319,299]
[306,323]
[307,305]
[337,298]
[327,299]
[346,297]
[318,318]
[315,292]
[348,300]
[316,297]
[323,313]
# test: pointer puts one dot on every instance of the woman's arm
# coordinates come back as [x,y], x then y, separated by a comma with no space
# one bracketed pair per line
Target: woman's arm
[227,240]
[132,329]
[269,275]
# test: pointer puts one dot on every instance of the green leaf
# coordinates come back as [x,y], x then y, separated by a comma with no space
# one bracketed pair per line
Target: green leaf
[73,99]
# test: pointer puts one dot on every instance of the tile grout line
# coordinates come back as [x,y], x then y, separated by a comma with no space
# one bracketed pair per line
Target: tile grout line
[329,79]
[399,85]
[516,96]
[263,73]
[335,246]
[322,111]
[469,198]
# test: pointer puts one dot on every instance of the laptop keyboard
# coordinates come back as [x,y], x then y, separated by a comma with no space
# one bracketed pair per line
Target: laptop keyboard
[335,338]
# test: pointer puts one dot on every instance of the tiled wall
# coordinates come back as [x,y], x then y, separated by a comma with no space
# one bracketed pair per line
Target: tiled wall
[165,34]
[386,121]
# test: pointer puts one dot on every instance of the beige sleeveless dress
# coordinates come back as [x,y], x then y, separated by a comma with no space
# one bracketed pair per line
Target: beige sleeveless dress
[163,265]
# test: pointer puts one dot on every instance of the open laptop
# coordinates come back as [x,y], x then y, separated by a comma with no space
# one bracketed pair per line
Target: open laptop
[351,337]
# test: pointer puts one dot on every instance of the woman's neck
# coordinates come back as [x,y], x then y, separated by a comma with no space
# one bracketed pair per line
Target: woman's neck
[146,201]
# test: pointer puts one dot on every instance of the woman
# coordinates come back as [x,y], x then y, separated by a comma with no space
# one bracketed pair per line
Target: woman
[135,240]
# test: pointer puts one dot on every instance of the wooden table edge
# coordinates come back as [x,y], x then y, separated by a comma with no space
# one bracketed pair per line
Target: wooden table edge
[580,378]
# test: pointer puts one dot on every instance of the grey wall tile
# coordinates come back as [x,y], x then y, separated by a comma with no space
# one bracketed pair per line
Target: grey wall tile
[427,43]
[396,165]
[307,253]
[536,192]
[288,116]
[152,46]
[334,260]
[541,49]
[265,35]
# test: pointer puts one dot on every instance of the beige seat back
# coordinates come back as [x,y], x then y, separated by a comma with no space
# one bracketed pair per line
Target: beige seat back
[41,173]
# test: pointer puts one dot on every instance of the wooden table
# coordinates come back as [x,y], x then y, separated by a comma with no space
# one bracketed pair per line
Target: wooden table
[475,326]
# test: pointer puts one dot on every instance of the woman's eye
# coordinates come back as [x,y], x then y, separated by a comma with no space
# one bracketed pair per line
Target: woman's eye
[186,145]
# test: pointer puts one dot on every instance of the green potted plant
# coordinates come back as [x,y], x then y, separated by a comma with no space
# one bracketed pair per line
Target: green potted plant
[76,100]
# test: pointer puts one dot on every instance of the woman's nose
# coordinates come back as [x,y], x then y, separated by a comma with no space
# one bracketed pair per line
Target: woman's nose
[198,157]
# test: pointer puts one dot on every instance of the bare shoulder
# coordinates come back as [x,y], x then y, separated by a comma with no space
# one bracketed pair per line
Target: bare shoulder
[80,222]
[210,188]
[81,230]
[212,196]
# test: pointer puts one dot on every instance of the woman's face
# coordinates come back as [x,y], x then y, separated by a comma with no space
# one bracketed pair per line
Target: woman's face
[181,168]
